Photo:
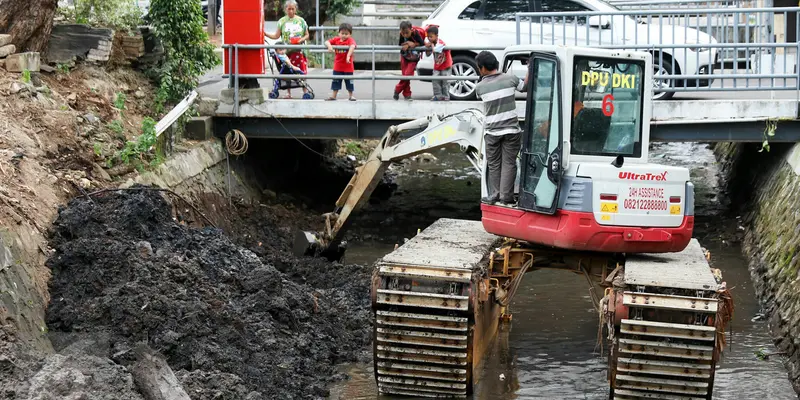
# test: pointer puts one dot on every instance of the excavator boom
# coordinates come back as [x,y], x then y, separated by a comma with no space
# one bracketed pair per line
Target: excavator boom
[464,128]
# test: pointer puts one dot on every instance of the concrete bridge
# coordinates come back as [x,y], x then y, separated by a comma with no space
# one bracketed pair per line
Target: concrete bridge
[689,117]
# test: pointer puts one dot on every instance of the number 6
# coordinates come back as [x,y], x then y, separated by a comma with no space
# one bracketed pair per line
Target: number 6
[608,106]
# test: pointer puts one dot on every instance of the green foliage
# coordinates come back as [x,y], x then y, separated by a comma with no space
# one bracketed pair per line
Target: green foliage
[63,68]
[117,14]
[769,131]
[354,148]
[26,76]
[134,151]
[179,24]
[119,100]
[116,126]
[98,150]
[337,7]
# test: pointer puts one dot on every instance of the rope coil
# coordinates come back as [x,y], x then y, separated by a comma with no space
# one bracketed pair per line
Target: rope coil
[236,142]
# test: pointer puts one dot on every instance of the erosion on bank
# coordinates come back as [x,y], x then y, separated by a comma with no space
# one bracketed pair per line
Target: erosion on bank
[768,187]
[228,323]
[54,138]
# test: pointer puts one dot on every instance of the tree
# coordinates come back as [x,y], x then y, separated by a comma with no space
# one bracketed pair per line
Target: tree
[29,22]
[180,26]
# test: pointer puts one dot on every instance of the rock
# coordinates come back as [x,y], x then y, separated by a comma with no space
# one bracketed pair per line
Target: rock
[91,118]
[145,249]
[47,68]
[72,99]
[99,172]
[19,62]
[7,50]
[269,194]
[426,157]
[17,87]
[5,40]
[139,94]
[85,183]
[71,41]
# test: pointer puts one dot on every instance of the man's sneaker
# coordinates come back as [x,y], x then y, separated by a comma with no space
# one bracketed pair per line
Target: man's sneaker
[489,200]
[396,96]
[507,203]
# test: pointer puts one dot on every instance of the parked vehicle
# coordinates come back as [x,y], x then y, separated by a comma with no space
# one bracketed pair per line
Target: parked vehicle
[491,23]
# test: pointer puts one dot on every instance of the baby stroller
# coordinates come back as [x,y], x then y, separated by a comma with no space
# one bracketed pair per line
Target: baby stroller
[283,84]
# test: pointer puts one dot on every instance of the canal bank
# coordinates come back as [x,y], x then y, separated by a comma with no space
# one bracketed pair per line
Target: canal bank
[764,188]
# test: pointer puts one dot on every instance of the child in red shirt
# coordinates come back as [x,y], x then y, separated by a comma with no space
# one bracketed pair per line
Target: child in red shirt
[343,61]
[442,63]
[409,39]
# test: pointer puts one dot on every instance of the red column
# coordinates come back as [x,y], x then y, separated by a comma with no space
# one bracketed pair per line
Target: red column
[243,22]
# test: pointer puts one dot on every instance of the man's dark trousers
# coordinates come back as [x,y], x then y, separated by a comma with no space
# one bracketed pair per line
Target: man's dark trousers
[501,156]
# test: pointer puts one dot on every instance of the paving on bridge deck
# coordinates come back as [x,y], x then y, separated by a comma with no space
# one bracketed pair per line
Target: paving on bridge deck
[687,269]
[451,243]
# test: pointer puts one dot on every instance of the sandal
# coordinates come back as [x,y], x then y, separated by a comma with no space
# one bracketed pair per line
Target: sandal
[330,99]
[352,99]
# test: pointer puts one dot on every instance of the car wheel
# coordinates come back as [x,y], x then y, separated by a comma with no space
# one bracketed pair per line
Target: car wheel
[661,67]
[463,66]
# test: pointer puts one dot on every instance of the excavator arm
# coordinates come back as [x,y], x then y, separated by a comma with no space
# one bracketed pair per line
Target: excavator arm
[464,128]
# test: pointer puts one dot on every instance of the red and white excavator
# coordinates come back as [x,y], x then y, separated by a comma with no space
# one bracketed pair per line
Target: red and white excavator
[588,202]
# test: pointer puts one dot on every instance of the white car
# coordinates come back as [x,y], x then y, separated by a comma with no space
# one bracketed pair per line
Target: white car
[491,23]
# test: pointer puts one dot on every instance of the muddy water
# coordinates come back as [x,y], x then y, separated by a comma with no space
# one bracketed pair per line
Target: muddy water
[551,348]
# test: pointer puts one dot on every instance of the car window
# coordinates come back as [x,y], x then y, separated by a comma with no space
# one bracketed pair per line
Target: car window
[471,11]
[563,6]
[504,10]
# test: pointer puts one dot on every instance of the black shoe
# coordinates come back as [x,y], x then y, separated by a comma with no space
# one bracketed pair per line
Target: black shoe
[489,200]
[507,203]
[396,96]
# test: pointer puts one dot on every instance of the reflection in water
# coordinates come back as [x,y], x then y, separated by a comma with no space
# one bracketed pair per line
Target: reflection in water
[550,350]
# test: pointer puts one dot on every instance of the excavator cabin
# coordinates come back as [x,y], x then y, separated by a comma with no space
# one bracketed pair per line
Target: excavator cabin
[584,182]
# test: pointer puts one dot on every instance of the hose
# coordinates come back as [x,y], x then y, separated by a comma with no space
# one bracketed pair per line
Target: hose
[236,142]
[513,285]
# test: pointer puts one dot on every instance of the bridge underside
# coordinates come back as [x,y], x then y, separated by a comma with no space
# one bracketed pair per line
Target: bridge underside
[330,128]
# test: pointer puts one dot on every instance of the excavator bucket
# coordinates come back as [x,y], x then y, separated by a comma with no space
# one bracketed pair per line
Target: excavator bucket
[314,244]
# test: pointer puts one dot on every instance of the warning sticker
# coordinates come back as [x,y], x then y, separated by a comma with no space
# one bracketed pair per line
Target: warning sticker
[608,207]
[595,78]
[674,210]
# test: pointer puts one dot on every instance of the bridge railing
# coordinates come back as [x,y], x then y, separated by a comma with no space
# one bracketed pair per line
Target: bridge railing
[235,76]
[688,44]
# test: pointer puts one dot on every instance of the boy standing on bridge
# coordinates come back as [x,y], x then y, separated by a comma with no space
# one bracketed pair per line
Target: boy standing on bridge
[343,61]
[442,64]
[501,129]
[409,39]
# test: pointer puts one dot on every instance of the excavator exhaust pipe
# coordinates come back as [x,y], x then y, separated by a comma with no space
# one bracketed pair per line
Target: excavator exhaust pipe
[314,244]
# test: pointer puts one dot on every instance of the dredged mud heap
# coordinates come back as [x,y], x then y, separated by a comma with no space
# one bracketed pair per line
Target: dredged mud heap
[124,268]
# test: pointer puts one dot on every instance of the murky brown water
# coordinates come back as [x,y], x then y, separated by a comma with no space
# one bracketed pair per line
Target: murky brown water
[551,348]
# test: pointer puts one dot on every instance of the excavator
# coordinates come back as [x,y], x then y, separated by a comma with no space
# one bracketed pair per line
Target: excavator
[588,202]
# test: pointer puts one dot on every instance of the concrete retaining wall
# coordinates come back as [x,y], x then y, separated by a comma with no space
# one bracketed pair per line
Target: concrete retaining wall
[772,239]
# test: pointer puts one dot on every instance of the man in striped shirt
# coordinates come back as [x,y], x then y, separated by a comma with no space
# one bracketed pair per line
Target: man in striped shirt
[503,135]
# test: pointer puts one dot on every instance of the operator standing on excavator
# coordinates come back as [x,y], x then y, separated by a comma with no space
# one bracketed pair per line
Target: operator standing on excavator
[503,135]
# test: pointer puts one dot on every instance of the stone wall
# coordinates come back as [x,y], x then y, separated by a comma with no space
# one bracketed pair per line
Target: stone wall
[767,188]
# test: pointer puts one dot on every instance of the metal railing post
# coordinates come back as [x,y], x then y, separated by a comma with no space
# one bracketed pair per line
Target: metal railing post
[236,80]
[374,108]
[519,30]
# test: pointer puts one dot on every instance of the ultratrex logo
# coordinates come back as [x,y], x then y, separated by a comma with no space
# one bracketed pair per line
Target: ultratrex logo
[643,177]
